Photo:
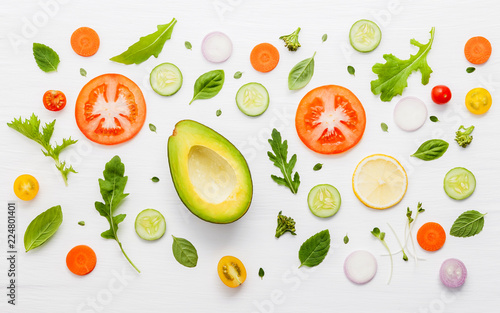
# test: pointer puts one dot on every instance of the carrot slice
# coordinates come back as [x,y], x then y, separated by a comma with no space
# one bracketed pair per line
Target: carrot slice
[264,57]
[85,41]
[431,236]
[477,50]
[81,260]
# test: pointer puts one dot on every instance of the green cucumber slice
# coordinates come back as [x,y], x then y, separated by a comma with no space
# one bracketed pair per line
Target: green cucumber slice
[252,99]
[166,79]
[365,36]
[324,200]
[459,183]
[150,224]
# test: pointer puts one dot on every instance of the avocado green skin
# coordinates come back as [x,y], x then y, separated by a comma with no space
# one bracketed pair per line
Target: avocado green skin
[184,196]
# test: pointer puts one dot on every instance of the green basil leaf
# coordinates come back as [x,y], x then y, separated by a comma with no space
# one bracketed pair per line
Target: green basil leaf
[184,252]
[384,127]
[346,239]
[42,228]
[188,45]
[261,273]
[208,85]
[81,223]
[218,112]
[46,58]
[238,75]
[301,74]
[314,250]
[431,150]
[317,167]
[351,70]
[155,179]
[147,46]
[468,224]
[434,119]
[152,127]
[83,72]
[470,69]
[324,38]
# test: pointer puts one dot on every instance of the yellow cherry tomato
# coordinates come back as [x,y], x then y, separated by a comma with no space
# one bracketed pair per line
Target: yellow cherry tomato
[478,101]
[26,187]
[231,271]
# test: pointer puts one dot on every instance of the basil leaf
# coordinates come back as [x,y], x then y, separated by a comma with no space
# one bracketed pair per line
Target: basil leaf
[470,69]
[351,70]
[208,85]
[384,127]
[468,224]
[301,74]
[147,46]
[81,223]
[431,150]
[188,45]
[83,72]
[346,239]
[261,273]
[317,167]
[218,112]
[155,179]
[238,75]
[434,119]
[324,38]
[184,252]
[46,58]
[314,250]
[42,228]
[152,127]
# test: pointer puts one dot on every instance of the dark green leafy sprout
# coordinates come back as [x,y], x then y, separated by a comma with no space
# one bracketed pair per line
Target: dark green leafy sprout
[381,236]
[285,224]
[464,138]
[292,40]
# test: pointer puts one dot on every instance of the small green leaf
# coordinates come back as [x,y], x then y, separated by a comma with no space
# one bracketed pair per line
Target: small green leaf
[434,119]
[324,38]
[431,150]
[83,72]
[261,273]
[351,70]
[300,75]
[314,250]
[317,167]
[384,127]
[188,45]
[42,228]
[46,58]
[468,224]
[346,239]
[184,252]
[218,112]
[81,223]
[155,179]
[470,69]
[208,85]
[152,127]
[238,75]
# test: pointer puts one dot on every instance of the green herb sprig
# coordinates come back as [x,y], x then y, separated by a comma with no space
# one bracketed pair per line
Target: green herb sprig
[279,158]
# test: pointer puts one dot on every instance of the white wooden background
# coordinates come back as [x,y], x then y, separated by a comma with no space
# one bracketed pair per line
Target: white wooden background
[46,285]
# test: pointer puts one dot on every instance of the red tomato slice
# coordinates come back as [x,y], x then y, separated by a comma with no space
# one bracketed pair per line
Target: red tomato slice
[54,100]
[110,109]
[330,119]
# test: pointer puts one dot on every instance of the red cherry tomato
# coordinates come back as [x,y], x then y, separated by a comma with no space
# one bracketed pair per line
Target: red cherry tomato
[441,94]
[54,100]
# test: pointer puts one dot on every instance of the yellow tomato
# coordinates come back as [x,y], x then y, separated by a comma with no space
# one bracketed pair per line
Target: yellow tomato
[478,101]
[231,271]
[26,187]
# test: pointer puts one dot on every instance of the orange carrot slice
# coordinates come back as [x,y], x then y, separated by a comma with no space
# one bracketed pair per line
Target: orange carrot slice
[477,50]
[431,236]
[264,57]
[85,41]
[81,260]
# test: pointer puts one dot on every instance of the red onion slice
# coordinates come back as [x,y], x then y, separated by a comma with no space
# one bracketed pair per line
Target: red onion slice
[360,267]
[216,47]
[453,273]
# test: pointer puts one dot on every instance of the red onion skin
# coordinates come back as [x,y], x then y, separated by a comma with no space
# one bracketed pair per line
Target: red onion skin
[453,264]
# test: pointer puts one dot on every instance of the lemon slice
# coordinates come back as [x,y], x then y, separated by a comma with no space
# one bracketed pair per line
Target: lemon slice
[379,181]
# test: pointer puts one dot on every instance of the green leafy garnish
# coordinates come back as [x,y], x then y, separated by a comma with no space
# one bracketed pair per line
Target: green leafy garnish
[324,37]
[152,128]
[292,40]
[42,228]
[279,158]
[184,252]
[393,75]
[314,250]
[346,239]
[470,69]
[238,75]
[317,167]
[83,72]
[468,224]
[351,70]
[285,224]
[384,127]
[218,112]
[112,187]
[431,150]
[261,273]
[188,45]
[147,46]
[301,74]
[31,129]
[81,223]
[208,85]
[46,58]
[381,236]
[155,179]
[434,119]
[464,138]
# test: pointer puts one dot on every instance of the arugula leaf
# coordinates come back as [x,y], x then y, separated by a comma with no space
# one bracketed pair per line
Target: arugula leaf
[314,250]
[184,252]
[147,46]
[112,187]
[393,75]
[468,224]
[46,58]
[208,85]
[31,129]
[279,157]
[431,149]
[42,228]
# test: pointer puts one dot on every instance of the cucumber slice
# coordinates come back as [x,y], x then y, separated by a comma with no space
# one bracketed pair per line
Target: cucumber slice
[150,224]
[459,183]
[252,99]
[166,79]
[324,200]
[365,36]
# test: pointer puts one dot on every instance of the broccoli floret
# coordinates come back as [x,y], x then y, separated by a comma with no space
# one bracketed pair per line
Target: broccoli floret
[464,137]
[285,224]
[292,40]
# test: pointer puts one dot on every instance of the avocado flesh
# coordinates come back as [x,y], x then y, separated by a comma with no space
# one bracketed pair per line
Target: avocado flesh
[210,175]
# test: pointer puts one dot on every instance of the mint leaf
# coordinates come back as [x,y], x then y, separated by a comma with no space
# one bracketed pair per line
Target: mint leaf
[468,224]
[184,252]
[314,250]
[46,58]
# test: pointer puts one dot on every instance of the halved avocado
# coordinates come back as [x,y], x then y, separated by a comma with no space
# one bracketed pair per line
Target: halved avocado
[210,175]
